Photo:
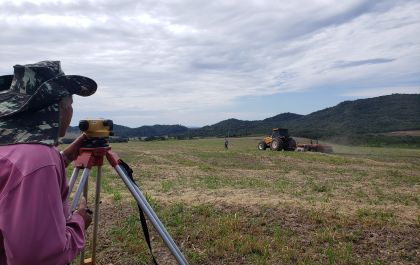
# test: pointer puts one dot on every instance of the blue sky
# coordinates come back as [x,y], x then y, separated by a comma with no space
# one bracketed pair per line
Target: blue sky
[195,62]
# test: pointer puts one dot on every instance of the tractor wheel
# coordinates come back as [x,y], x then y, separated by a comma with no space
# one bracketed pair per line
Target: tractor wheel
[291,145]
[276,145]
[262,145]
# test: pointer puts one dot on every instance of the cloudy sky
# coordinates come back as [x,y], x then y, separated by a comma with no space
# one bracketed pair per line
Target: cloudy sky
[196,62]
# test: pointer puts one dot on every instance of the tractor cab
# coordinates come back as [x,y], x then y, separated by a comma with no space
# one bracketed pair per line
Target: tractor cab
[279,132]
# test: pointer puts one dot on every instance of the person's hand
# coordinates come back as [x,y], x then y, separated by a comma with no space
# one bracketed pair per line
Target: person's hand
[84,212]
[72,150]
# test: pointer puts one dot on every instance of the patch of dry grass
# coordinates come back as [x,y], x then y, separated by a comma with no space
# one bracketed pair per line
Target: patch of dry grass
[245,206]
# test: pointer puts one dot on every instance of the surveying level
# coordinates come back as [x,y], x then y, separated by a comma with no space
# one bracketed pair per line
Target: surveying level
[98,132]
[97,128]
[92,154]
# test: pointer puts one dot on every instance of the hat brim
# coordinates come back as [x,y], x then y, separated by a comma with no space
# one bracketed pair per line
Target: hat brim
[49,92]
[74,84]
[56,88]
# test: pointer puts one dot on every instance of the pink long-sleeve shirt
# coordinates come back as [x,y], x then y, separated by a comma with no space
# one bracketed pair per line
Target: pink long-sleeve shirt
[36,226]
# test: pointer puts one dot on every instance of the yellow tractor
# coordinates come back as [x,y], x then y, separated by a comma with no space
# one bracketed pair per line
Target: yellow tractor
[279,140]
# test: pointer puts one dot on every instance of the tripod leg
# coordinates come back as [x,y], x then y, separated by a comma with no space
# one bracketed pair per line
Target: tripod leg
[80,188]
[85,194]
[96,213]
[73,179]
[147,209]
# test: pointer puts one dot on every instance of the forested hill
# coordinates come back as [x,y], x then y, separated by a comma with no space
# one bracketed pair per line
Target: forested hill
[234,127]
[373,115]
[395,112]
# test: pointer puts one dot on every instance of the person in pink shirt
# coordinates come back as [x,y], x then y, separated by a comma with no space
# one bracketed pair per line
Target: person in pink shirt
[36,225]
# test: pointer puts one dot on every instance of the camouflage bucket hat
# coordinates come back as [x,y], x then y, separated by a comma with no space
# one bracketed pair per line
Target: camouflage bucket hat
[29,99]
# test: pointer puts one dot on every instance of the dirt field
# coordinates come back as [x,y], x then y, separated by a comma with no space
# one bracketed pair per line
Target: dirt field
[244,206]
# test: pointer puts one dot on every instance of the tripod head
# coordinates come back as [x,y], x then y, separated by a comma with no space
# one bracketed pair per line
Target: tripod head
[98,132]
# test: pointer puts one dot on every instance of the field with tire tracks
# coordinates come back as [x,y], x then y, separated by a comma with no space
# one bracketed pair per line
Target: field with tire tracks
[358,205]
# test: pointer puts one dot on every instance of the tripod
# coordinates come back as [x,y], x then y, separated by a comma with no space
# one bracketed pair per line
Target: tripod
[94,157]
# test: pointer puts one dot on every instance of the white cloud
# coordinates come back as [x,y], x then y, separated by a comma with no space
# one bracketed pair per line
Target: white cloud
[187,56]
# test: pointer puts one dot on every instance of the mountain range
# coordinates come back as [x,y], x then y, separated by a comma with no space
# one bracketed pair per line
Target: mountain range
[396,112]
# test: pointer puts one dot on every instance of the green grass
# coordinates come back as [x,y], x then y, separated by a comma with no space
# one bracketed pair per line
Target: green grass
[375,216]
[245,206]
[126,234]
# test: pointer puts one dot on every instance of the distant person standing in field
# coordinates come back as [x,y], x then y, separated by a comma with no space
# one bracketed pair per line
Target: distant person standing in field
[226,144]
